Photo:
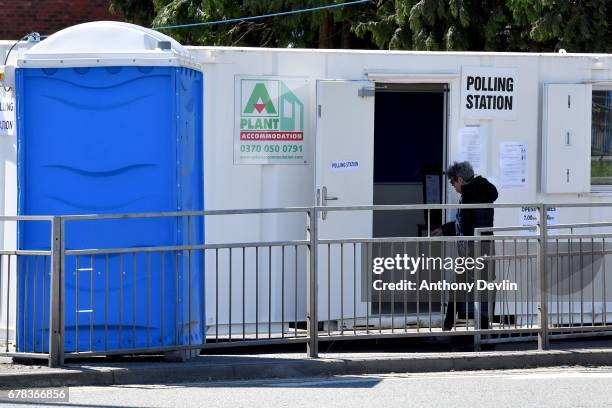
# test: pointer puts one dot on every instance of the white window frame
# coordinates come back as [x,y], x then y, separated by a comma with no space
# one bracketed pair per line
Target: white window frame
[600,188]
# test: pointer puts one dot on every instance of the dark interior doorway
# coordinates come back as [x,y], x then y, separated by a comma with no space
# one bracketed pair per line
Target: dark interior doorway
[409,159]
[409,150]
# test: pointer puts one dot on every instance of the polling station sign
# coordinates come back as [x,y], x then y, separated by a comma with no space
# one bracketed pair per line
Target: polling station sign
[7,113]
[489,93]
[270,120]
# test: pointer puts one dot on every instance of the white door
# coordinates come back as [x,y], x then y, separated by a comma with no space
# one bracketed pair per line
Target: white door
[344,177]
[567,138]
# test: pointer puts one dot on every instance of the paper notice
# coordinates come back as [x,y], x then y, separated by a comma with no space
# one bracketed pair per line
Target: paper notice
[513,165]
[528,216]
[472,147]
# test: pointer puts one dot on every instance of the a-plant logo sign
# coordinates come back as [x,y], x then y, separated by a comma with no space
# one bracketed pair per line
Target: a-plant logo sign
[270,121]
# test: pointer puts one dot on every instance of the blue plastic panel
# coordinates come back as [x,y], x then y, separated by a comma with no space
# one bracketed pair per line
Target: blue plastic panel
[106,141]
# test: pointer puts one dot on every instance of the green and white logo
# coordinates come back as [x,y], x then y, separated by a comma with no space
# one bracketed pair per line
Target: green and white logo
[270,105]
[270,121]
[260,100]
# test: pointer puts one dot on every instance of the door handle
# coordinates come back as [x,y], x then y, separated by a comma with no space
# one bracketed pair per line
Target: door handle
[324,199]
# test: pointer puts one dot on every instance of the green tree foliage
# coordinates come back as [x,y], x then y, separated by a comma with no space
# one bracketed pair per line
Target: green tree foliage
[440,25]
[139,12]
[575,25]
[321,29]
[492,25]
[466,25]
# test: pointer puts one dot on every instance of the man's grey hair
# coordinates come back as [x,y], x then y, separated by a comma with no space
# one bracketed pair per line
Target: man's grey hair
[460,169]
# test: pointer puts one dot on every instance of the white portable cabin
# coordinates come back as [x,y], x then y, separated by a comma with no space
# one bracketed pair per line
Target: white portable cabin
[524,117]
[368,133]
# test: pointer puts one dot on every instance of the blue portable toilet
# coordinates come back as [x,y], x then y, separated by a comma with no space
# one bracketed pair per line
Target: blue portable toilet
[110,121]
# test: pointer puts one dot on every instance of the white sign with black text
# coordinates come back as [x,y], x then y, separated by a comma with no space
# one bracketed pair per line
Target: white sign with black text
[344,165]
[489,93]
[7,113]
[528,217]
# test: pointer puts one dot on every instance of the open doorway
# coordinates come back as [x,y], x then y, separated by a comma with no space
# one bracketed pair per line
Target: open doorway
[409,155]
[409,159]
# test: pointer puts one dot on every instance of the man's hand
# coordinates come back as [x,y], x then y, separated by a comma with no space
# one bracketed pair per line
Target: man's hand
[436,233]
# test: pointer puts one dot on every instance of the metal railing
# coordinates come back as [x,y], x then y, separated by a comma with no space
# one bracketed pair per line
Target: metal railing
[248,308]
[415,314]
[69,300]
[30,291]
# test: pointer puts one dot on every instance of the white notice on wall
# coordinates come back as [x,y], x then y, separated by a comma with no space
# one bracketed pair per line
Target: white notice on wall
[7,113]
[528,216]
[471,147]
[513,165]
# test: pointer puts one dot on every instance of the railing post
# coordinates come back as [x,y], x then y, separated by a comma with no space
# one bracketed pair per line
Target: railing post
[56,295]
[477,305]
[542,278]
[311,273]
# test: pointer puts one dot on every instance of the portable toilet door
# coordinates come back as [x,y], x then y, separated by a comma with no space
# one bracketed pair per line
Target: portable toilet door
[110,122]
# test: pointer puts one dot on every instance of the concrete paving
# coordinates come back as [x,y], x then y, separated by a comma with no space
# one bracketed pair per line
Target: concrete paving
[152,369]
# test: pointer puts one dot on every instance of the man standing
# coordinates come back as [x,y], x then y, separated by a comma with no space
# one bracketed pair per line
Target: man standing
[473,190]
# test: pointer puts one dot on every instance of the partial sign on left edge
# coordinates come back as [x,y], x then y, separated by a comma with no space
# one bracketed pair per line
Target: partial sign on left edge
[7,113]
[270,120]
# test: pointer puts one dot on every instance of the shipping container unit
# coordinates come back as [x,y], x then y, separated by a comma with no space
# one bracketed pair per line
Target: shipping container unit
[110,122]
[297,127]
[380,127]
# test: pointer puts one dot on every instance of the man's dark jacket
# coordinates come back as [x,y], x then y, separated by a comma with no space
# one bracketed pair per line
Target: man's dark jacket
[476,191]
